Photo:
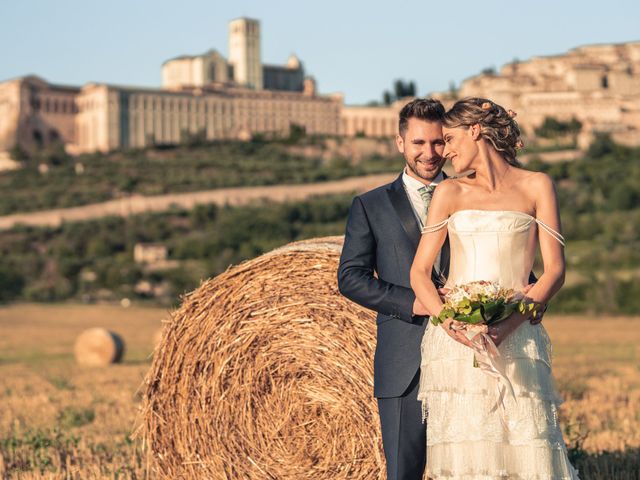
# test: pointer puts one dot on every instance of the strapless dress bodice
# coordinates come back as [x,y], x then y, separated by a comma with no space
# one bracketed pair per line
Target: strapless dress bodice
[492,245]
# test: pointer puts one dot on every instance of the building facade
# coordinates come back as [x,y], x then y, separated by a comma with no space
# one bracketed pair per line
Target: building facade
[243,69]
[98,117]
[205,95]
[599,85]
[219,98]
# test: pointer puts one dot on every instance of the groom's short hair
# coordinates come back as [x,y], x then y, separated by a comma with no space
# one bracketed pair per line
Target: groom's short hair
[428,109]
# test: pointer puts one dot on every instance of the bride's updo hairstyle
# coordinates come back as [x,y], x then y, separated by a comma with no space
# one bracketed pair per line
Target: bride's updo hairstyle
[497,125]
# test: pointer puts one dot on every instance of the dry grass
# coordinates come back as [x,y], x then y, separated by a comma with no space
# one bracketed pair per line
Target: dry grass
[597,364]
[59,420]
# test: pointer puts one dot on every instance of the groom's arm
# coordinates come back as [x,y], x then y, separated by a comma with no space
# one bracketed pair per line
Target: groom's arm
[356,279]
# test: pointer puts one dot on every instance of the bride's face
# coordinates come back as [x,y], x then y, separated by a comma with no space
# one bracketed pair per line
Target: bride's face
[460,148]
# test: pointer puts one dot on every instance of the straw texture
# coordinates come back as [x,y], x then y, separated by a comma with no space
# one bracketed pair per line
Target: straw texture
[265,372]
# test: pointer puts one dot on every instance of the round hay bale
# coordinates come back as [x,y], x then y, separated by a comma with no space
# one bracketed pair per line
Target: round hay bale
[98,347]
[265,372]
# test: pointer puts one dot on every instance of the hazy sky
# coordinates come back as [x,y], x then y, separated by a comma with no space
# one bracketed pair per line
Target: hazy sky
[354,47]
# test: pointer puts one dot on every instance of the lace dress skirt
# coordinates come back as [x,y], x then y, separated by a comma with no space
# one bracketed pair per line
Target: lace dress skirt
[475,433]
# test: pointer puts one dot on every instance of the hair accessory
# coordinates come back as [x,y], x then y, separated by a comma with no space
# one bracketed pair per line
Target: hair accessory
[519,145]
[486,105]
[512,114]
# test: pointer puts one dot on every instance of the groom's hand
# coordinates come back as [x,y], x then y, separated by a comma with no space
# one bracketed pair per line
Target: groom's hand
[537,318]
[443,293]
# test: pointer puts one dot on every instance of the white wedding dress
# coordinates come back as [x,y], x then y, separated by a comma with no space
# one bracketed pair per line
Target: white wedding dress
[472,433]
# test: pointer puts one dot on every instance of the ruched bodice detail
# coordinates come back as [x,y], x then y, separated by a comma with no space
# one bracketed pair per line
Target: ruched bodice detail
[495,246]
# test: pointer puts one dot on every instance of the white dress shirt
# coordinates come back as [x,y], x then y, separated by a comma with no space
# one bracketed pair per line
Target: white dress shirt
[412,187]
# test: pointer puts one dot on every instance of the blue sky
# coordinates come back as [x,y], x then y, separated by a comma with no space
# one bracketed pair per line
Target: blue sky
[354,47]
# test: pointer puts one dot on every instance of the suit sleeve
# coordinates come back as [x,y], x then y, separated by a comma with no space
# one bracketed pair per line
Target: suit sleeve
[356,279]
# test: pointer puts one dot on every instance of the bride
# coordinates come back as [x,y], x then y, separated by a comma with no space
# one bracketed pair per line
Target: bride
[495,219]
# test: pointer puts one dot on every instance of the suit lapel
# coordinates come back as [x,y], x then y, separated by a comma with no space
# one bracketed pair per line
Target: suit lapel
[439,276]
[404,210]
[402,206]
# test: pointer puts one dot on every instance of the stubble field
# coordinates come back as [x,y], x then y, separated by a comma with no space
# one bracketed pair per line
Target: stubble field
[60,420]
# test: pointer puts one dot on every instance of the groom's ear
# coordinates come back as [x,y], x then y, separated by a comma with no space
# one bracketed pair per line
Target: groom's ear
[400,143]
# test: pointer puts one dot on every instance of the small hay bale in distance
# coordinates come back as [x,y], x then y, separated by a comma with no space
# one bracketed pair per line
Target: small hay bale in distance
[266,372]
[98,347]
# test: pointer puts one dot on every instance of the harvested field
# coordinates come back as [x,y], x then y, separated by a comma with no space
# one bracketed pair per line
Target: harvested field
[61,420]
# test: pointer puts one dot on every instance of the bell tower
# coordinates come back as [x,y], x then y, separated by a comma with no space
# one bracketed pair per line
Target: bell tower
[244,52]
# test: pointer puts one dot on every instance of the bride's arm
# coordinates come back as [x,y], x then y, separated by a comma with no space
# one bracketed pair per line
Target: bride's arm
[430,245]
[551,249]
[552,257]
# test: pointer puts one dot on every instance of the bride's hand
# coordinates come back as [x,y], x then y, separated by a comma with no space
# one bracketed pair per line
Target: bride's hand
[503,329]
[457,334]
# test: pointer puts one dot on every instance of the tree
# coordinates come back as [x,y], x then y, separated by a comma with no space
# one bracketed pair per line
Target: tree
[411,90]
[296,132]
[11,284]
[398,88]
[401,89]
[602,145]
[193,139]
[552,127]
[453,90]
[18,153]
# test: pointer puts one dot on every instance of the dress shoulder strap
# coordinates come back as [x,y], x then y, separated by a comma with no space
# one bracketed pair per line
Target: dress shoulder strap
[551,232]
[436,227]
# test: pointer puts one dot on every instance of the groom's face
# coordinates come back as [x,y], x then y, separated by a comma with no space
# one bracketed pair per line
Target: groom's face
[422,146]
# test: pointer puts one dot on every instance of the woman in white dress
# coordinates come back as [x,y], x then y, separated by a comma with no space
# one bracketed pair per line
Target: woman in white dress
[495,218]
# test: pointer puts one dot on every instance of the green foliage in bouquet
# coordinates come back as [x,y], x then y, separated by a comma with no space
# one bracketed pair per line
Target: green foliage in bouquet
[477,312]
[483,308]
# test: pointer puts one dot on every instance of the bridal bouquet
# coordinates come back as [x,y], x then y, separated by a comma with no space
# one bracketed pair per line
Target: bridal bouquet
[481,303]
[476,305]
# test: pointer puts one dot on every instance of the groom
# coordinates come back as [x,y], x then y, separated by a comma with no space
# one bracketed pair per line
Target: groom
[382,235]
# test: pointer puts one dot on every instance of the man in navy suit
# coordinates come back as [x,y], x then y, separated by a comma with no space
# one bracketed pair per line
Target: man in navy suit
[382,235]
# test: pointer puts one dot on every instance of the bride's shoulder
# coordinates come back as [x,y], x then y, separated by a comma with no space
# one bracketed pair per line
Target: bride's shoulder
[537,180]
[538,187]
[449,184]
[448,188]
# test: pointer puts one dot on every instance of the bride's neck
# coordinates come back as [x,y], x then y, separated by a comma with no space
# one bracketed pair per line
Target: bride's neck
[490,169]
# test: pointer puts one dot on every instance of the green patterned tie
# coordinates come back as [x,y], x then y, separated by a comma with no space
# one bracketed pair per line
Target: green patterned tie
[426,193]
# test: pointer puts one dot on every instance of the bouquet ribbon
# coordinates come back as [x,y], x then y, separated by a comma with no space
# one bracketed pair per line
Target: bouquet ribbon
[488,359]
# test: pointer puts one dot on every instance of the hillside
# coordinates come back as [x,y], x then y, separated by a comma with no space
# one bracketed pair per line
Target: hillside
[54,179]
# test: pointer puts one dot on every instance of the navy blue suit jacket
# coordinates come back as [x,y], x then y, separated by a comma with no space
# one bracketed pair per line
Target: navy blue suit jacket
[381,239]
